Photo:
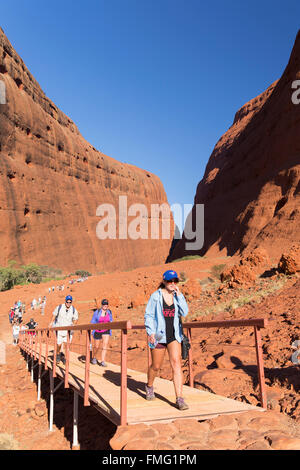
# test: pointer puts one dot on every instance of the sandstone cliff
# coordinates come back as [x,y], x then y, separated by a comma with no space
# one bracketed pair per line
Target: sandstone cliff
[53,180]
[250,189]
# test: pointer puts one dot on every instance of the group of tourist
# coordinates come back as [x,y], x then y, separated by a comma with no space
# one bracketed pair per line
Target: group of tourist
[163,313]
[17,328]
[16,312]
[39,303]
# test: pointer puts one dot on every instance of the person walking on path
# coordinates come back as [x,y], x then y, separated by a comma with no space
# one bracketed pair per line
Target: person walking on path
[164,329]
[64,315]
[31,326]
[16,331]
[11,315]
[103,315]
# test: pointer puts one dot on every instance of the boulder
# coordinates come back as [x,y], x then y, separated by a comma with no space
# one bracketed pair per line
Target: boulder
[289,262]
[238,275]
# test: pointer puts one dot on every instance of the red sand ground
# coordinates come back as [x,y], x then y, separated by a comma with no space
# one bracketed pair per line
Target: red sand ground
[223,361]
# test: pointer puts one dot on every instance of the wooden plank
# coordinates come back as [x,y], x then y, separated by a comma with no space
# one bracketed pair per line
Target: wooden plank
[104,394]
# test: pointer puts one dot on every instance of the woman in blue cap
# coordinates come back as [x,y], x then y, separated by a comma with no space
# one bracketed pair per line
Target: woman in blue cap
[162,322]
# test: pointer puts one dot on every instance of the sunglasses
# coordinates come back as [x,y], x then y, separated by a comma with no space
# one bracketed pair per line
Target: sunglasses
[68,301]
[173,280]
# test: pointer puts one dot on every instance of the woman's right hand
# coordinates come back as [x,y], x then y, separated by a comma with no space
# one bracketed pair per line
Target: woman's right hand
[152,338]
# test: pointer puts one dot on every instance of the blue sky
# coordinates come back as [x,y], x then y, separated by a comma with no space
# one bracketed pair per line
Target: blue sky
[154,83]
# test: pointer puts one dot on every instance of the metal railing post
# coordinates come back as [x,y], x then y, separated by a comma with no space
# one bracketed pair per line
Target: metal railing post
[67,360]
[123,410]
[260,366]
[190,356]
[40,350]
[47,348]
[87,368]
[55,353]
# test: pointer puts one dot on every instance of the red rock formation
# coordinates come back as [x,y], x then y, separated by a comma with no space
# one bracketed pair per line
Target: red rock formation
[251,185]
[53,180]
[289,262]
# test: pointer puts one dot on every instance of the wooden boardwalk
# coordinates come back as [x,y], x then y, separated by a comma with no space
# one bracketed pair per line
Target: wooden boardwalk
[104,394]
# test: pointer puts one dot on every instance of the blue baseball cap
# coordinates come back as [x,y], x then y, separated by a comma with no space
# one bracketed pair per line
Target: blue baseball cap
[69,297]
[169,275]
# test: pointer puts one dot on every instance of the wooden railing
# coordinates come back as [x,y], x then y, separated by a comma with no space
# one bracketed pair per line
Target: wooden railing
[256,323]
[31,342]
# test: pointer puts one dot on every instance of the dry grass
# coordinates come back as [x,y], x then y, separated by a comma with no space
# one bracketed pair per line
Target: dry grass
[245,297]
[7,442]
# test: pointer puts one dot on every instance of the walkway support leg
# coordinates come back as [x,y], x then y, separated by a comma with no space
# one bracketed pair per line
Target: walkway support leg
[31,368]
[39,383]
[75,444]
[51,400]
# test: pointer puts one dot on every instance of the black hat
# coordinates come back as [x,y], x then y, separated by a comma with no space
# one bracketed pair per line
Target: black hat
[104,302]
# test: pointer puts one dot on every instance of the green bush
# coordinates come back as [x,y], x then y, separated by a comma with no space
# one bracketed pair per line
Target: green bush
[11,276]
[217,270]
[32,273]
[82,273]
[188,258]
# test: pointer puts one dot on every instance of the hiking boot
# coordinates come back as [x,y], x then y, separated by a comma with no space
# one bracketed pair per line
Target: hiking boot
[149,393]
[94,361]
[58,358]
[63,359]
[180,403]
[102,364]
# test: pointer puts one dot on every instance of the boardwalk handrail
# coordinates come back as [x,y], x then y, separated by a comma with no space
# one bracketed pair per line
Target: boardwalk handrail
[256,323]
[29,346]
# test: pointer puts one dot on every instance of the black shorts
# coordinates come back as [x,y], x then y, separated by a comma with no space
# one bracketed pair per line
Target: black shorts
[98,335]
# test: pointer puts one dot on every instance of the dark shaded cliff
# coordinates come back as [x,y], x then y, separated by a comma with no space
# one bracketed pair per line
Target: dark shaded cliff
[251,186]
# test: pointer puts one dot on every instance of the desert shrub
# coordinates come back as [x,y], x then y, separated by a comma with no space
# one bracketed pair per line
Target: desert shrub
[11,275]
[50,273]
[32,273]
[217,270]
[187,258]
[82,273]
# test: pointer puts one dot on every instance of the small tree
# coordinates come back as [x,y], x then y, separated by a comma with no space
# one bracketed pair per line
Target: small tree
[32,273]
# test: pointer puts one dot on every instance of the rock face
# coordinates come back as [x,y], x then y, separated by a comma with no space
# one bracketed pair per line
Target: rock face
[53,180]
[251,186]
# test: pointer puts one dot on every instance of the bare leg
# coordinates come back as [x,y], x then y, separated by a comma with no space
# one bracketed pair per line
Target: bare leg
[157,360]
[105,339]
[174,350]
[96,348]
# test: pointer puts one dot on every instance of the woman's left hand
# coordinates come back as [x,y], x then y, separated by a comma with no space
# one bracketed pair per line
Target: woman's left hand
[176,290]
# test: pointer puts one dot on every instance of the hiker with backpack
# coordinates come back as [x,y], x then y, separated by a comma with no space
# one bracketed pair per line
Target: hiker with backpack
[64,315]
[103,315]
